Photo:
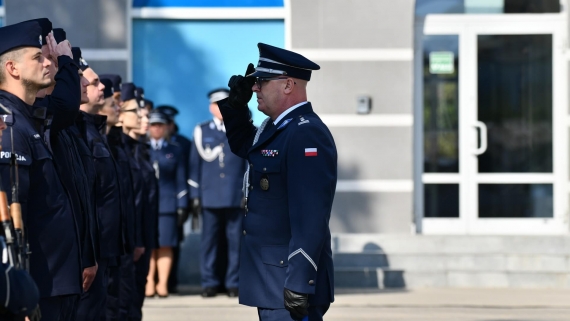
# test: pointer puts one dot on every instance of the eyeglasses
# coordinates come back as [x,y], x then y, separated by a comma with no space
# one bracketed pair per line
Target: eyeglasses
[259,81]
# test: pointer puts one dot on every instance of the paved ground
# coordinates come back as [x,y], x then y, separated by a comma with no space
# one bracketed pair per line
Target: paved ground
[421,305]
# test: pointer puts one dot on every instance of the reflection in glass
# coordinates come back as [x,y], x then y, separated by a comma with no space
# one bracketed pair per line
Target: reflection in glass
[425,7]
[515,102]
[441,200]
[515,200]
[441,101]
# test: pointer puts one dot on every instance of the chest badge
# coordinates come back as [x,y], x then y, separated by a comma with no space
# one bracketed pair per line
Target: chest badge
[264,183]
[269,152]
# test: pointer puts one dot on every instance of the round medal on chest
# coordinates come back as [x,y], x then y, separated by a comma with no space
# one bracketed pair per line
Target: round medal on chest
[264,183]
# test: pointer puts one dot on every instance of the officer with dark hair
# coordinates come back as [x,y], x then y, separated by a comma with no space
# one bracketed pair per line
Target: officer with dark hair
[55,263]
[286,267]
[216,186]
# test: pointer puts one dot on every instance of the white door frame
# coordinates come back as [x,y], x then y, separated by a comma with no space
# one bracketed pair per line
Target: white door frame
[468,27]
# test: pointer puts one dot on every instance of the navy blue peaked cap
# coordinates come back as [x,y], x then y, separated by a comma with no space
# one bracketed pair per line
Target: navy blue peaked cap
[149,102]
[140,96]
[59,35]
[108,91]
[274,62]
[157,117]
[168,110]
[115,79]
[23,34]
[46,26]
[128,91]
[78,58]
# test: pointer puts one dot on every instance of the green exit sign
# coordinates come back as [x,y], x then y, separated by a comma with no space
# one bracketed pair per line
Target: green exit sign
[441,62]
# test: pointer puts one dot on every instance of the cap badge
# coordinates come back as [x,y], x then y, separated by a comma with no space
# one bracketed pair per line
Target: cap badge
[40,40]
[112,90]
[83,62]
[141,103]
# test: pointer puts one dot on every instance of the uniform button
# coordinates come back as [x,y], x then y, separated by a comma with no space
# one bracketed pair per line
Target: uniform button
[311,282]
[250,187]
[281,262]
[222,165]
[264,169]
[222,175]
[244,232]
[250,165]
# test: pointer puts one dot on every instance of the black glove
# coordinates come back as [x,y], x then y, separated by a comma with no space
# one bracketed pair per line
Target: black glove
[240,89]
[182,216]
[296,303]
[196,210]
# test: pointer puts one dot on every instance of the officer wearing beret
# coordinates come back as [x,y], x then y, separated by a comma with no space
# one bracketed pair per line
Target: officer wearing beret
[286,267]
[172,188]
[216,184]
[55,262]
[116,80]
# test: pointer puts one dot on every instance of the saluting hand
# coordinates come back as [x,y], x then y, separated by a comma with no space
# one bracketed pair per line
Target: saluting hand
[61,49]
[241,88]
[88,276]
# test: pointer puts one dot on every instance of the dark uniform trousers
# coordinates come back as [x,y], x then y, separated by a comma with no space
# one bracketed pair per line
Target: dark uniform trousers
[92,303]
[316,313]
[59,308]
[214,220]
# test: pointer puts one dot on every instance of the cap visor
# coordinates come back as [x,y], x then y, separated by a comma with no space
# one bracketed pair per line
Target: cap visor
[262,74]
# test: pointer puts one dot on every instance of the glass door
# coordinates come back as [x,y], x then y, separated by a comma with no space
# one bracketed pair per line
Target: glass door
[509,173]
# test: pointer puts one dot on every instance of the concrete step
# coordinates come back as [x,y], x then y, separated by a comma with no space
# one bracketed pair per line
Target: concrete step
[366,259]
[487,279]
[426,244]
[368,278]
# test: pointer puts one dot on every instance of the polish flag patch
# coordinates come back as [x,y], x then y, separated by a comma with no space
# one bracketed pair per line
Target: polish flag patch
[310,152]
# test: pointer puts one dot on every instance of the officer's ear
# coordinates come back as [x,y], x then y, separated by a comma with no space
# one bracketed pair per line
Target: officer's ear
[289,85]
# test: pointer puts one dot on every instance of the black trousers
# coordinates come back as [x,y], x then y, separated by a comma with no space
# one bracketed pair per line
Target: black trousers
[92,303]
[59,308]
[141,272]
[316,313]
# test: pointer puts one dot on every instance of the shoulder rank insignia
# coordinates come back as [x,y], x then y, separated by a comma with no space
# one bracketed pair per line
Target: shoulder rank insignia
[303,120]
[285,123]
[269,152]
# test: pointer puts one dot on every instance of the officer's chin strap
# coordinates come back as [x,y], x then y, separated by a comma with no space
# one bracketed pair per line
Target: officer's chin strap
[246,175]
[208,156]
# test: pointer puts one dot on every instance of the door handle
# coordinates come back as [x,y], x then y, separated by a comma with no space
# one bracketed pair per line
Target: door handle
[483,135]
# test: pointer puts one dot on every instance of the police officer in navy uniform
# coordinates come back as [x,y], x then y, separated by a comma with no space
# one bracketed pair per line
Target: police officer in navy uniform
[55,262]
[185,145]
[286,267]
[217,178]
[167,160]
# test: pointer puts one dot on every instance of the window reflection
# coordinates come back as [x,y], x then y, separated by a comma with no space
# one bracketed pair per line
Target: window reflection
[515,200]
[441,200]
[425,7]
[441,100]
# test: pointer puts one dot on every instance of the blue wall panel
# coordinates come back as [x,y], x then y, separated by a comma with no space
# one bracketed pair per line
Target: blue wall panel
[207,3]
[178,62]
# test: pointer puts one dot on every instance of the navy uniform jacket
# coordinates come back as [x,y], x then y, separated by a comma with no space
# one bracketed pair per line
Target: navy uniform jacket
[55,262]
[107,192]
[139,189]
[172,182]
[118,149]
[185,146]
[71,154]
[150,215]
[218,183]
[286,240]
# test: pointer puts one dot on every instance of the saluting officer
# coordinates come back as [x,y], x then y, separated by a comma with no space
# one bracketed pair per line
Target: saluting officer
[217,177]
[166,158]
[286,257]
[55,262]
